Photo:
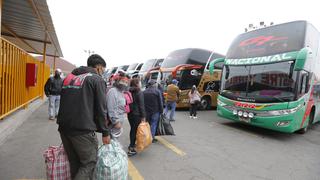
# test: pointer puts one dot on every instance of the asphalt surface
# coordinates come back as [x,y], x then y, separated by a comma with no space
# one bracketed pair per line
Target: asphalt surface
[206,148]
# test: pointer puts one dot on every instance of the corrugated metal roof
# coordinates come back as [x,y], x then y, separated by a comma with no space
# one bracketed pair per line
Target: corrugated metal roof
[30,21]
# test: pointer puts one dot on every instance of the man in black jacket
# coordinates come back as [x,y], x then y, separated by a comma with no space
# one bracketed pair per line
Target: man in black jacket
[153,105]
[82,113]
[52,90]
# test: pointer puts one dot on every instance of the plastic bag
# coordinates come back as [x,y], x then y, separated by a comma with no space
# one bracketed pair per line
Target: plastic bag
[164,127]
[143,137]
[112,163]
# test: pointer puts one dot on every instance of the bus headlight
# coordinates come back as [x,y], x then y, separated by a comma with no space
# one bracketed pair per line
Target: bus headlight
[251,115]
[283,111]
[220,103]
[240,113]
[234,112]
[245,114]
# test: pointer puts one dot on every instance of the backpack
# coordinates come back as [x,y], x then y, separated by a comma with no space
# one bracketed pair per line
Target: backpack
[129,100]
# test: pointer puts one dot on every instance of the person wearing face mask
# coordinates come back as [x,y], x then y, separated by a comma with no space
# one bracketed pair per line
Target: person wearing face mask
[116,103]
[52,90]
[82,113]
[137,113]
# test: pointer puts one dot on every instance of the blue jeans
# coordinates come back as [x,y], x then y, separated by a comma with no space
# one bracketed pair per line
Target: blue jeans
[172,106]
[54,103]
[153,120]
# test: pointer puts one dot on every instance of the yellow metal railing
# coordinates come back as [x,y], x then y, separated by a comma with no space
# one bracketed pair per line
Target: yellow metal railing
[13,91]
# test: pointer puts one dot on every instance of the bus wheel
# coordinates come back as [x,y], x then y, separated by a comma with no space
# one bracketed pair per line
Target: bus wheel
[205,103]
[305,129]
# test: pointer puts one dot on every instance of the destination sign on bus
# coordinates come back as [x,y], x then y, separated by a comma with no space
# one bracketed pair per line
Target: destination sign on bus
[262,60]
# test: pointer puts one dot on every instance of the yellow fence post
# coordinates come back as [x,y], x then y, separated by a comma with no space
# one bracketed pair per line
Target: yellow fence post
[43,66]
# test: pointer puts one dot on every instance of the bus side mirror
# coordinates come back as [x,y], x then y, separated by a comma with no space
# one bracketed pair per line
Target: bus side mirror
[212,63]
[301,58]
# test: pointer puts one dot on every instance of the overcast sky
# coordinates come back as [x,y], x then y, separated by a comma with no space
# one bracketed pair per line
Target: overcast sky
[128,31]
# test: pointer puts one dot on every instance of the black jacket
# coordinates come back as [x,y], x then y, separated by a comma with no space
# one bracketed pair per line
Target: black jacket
[153,100]
[83,103]
[53,86]
[137,106]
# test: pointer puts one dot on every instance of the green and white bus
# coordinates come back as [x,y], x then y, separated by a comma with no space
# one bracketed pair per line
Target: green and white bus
[271,78]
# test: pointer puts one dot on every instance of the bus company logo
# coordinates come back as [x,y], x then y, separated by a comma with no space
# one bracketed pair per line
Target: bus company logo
[245,105]
[261,40]
[262,60]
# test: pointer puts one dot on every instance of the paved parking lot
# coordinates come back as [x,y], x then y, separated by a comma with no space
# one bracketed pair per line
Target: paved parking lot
[206,148]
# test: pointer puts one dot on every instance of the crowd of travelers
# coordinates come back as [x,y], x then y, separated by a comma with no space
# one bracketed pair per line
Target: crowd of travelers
[84,105]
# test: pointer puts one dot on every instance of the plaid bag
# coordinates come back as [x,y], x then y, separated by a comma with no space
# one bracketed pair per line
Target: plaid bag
[112,162]
[57,163]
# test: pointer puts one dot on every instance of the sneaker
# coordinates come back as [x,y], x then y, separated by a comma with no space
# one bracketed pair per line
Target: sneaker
[132,152]
[154,140]
[190,117]
[51,118]
[195,117]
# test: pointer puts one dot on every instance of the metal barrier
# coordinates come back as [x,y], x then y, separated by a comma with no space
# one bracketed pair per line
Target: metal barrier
[13,91]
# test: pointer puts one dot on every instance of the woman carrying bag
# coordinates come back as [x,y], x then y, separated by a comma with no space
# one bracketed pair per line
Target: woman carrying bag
[194,98]
[137,113]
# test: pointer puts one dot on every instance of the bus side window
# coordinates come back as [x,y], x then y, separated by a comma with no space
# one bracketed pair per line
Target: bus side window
[304,87]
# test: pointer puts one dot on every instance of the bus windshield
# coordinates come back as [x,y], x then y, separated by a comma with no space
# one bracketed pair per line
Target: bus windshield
[259,83]
[147,65]
[186,56]
[132,67]
[189,77]
[271,40]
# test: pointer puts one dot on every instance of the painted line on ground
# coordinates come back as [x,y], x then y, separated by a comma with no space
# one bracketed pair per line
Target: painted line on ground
[170,146]
[30,179]
[133,172]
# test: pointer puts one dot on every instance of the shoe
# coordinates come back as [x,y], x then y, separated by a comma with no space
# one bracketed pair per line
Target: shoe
[154,140]
[51,118]
[195,117]
[172,120]
[191,117]
[132,152]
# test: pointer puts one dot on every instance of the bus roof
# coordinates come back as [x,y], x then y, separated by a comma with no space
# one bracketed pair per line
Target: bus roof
[277,39]
[186,56]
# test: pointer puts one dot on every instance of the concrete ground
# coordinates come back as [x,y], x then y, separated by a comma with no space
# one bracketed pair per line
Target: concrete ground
[206,148]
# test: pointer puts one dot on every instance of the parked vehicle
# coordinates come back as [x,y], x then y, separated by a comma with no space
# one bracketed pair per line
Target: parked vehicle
[189,67]
[149,64]
[133,69]
[270,78]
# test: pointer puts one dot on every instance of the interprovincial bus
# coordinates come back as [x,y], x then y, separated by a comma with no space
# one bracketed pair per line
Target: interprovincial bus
[149,64]
[188,66]
[271,77]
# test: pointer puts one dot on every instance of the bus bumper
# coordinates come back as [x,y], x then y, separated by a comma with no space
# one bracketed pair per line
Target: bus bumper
[284,123]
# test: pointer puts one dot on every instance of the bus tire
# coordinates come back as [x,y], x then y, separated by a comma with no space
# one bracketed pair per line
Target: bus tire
[311,117]
[205,103]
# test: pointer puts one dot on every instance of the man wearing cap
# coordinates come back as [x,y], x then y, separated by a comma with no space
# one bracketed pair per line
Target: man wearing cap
[173,93]
[52,90]
[153,105]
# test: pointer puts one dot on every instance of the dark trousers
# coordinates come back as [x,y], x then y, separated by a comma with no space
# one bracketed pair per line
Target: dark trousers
[193,109]
[82,154]
[134,122]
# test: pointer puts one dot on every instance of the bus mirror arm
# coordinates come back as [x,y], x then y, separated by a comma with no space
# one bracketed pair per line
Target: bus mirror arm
[302,56]
[212,63]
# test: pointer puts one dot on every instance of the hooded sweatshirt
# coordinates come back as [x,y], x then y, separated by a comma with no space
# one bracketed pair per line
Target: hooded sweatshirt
[83,103]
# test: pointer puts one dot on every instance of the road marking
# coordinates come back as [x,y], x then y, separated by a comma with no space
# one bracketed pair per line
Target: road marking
[170,146]
[30,179]
[133,172]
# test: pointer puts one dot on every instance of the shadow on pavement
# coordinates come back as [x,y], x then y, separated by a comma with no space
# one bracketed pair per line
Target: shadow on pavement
[267,133]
